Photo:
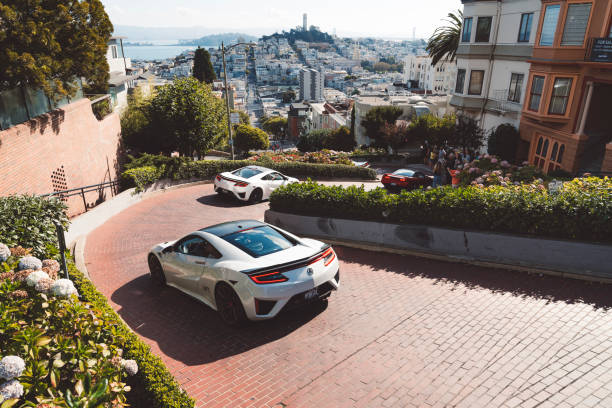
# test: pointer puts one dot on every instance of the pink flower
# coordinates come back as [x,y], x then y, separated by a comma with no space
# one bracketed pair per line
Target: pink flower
[493,160]
[505,164]
[474,170]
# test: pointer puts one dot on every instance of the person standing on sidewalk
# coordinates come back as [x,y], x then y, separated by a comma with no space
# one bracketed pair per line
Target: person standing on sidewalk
[437,174]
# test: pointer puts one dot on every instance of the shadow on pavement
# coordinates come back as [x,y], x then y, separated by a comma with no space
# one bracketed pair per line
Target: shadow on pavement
[551,288]
[220,200]
[189,331]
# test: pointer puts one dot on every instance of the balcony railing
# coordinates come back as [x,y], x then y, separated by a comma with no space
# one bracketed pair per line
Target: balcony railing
[599,50]
[500,102]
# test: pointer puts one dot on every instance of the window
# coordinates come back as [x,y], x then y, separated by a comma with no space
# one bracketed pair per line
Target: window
[196,246]
[549,25]
[259,241]
[114,51]
[460,81]
[246,172]
[541,159]
[483,29]
[516,86]
[537,85]
[467,30]
[560,96]
[525,28]
[475,87]
[576,24]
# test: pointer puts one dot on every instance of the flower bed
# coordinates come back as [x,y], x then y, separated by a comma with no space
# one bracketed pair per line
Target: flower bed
[580,210]
[321,157]
[492,171]
[58,350]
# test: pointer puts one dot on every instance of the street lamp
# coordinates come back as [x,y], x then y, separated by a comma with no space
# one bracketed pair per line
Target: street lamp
[227,104]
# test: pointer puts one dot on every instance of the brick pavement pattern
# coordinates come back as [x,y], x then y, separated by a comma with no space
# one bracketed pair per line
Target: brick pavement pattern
[401,331]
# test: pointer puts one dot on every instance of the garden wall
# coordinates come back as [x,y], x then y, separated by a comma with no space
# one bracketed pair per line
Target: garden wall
[63,149]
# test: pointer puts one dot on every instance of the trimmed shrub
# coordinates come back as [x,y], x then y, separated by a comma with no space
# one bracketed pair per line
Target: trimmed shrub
[504,142]
[29,221]
[313,141]
[140,177]
[249,137]
[581,210]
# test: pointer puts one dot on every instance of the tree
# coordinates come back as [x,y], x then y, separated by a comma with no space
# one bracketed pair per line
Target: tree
[437,131]
[376,118]
[249,137]
[504,142]
[288,96]
[202,67]
[394,135]
[135,122]
[313,141]
[187,117]
[443,44]
[244,117]
[275,126]
[467,135]
[49,44]
[340,139]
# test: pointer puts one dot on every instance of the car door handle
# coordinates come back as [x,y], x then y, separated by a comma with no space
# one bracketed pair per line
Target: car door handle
[200,262]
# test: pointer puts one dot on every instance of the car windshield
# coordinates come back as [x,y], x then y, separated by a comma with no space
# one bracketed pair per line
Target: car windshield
[259,241]
[405,173]
[246,172]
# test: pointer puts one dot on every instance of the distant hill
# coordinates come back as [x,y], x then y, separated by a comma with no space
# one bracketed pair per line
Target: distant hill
[216,39]
[312,36]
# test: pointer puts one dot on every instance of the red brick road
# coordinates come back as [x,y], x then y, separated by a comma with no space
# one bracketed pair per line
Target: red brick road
[400,332]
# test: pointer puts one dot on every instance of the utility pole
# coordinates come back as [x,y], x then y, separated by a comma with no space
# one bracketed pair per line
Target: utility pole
[227,104]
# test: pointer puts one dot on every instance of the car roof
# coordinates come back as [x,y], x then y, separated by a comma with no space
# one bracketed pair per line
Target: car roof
[231,227]
[260,168]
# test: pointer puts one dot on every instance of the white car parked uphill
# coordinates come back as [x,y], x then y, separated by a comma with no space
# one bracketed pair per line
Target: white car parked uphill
[247,269]
[251,183]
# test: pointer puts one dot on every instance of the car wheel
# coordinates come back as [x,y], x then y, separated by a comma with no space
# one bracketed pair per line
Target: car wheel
[256,196]
[157,272]
[229,306]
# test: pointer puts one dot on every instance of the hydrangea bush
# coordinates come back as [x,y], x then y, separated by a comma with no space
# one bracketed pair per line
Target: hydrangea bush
[492,171]
[30,262]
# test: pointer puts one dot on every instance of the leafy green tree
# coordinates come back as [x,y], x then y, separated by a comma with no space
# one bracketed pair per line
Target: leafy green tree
[313,141]
[394,135]
[340,139]
[47,44]
[437,131]
[376,118]
[467,134]
[443,44]
[249,137]
[135,121]
[504,142]
[202,67]
[185,116]
[275,126]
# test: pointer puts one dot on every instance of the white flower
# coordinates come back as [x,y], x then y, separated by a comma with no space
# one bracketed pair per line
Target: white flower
[11,389]
[30,262]
[11,367]
[5,252]
[130,366]
[35,276]
[63,288]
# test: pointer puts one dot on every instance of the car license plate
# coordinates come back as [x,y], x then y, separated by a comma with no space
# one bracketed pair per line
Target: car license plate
[393,184]
[311,294]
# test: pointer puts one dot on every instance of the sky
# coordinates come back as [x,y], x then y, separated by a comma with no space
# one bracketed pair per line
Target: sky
[383,18]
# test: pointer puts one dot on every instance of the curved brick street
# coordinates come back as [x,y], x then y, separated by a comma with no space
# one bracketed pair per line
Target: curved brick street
[400,332]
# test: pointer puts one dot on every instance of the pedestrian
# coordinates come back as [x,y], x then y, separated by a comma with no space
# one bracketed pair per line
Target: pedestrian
[441,154]
[455,177]
[437,175]
[433,157]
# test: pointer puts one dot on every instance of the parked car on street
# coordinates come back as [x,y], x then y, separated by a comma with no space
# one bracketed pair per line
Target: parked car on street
[405,179]
[247,269]
[251,183]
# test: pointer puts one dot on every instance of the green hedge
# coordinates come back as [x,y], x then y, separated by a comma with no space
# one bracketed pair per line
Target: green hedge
[153,386]
[29,221]
[154,168]
[581,210]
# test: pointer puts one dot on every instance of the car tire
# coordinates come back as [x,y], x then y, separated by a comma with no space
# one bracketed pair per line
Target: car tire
[256,196]
[157,272]
[229,306]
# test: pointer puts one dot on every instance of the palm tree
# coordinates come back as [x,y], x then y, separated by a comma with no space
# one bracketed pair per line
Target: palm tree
[442,45]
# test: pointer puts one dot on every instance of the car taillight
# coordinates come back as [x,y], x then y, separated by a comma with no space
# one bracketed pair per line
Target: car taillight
[241,184]
[385,177]
[328,256]
[268,277]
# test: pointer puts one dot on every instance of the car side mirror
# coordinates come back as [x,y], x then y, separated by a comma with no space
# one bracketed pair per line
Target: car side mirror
[168,250]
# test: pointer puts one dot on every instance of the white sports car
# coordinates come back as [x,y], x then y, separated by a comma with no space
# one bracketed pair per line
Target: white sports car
[251,183]
[246,269]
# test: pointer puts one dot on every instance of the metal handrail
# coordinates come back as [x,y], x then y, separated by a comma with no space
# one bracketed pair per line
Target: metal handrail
[113,184]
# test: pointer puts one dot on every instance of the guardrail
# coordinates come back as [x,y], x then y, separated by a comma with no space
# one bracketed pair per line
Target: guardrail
[112,185]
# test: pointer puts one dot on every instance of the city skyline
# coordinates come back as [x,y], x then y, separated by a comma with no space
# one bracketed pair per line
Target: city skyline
[357,18]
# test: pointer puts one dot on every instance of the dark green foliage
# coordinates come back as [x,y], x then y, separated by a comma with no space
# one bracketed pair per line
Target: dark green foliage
[29,221]
[382,66]
[47,44]
[504,142]
[101,109]
[153,385]
[582,210]
[467,134]
[375,120]
[312,35]
[275,126]
[443,44]
[340,139]
[250,138]
[437,131]
[288,96]
[313,141]
[202,67]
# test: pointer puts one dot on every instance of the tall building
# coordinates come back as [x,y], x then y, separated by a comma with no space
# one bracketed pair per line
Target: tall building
[496,44]
[305,25]
[566,122]
[311,85]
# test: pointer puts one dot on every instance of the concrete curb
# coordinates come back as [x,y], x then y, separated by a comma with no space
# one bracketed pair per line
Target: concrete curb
[79,255]
[567,259]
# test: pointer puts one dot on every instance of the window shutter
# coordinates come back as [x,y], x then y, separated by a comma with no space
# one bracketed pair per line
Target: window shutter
[576,24]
